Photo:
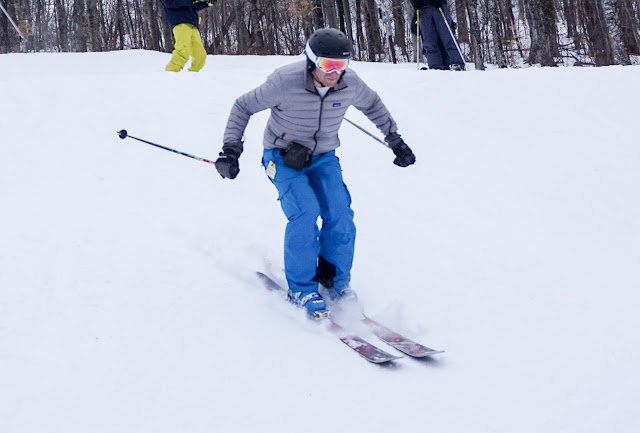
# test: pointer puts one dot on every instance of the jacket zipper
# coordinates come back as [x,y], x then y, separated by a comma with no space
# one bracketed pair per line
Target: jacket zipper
[319,122]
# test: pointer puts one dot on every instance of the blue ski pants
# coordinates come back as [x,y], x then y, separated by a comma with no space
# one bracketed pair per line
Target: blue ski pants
[317,191]
[433,29]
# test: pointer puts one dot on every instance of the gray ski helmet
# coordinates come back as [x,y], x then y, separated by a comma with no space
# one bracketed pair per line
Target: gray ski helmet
[327,42]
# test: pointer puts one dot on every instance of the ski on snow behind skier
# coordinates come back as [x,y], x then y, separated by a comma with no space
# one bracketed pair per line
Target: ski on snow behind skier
[362,347]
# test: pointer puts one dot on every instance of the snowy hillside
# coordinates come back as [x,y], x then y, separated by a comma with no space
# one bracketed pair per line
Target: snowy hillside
[129,303]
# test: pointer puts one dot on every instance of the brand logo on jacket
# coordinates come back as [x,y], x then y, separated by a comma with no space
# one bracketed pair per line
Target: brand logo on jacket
[337,104]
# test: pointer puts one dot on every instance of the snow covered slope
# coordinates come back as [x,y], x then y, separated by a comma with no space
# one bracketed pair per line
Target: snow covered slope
[128,301]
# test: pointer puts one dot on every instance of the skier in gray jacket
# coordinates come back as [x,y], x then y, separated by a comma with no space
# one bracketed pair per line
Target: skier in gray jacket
[308,101]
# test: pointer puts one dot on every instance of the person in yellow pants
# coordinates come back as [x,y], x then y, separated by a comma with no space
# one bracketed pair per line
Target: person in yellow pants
[188,44]
[183,18]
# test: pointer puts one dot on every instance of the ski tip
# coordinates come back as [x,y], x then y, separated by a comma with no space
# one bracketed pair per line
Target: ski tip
[385,361]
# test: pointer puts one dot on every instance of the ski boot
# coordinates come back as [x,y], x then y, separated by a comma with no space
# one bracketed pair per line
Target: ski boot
[346,295]
[312,302]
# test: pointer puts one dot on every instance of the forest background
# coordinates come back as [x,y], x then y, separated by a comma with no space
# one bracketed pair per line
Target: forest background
[504,33]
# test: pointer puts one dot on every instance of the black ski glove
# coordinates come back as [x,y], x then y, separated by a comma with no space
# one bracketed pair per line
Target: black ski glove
[227,163]
[404,155]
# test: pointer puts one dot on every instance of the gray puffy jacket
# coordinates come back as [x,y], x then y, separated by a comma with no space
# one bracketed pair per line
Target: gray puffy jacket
[299,114]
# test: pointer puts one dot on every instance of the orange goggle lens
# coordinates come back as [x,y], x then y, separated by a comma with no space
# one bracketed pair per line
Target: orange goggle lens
[332,65]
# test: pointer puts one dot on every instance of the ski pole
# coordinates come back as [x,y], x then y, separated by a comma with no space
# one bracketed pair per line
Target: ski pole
[367,132]
[418,53]
[123,134]
[455,41]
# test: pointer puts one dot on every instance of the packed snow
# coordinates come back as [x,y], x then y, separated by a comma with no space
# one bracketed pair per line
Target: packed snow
[128,296]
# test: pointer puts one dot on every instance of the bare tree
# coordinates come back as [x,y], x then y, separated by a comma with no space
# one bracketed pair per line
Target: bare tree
[62,28]
[329,10]
[495,18]
[359,34]
[372,28]
[612,18]
[541,17]
[475,34]
[399,27]
[93,25]
[79,40]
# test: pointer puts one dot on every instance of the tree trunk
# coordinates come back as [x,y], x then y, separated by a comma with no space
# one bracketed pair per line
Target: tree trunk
[79,40]
[329,8]
[348,24]
[359,34]
[399,25]
[541,17]
[255,29]
[167,32]
[375,46]
[590,16]
[94,25]
[341,19]
[152,40]
[612,18]
[496,31]
[61,24]
[630,26]
[461,20]
[475,34]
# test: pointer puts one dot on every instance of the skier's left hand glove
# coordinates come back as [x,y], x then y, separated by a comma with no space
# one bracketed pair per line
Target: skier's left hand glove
[227,164]
[404,155]
[212,2]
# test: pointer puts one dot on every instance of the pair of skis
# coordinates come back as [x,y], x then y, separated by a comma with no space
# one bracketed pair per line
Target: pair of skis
[361,346]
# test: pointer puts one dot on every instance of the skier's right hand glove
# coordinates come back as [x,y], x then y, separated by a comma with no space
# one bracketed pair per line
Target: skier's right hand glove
[404,155]
[227,162]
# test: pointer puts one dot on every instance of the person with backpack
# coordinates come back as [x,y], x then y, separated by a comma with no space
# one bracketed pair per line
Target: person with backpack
[308,100]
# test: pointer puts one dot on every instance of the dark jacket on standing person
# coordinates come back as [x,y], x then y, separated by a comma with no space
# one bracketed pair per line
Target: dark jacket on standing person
[182,11]
[417,4]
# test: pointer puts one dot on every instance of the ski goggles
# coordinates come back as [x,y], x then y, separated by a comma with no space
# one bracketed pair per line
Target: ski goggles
[327,64]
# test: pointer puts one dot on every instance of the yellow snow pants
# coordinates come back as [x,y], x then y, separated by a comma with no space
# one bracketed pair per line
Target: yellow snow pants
[188,43]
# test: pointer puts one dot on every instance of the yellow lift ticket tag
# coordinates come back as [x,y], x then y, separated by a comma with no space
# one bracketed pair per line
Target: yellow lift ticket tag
[271,170]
